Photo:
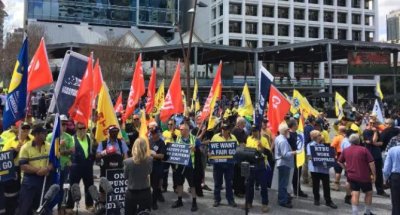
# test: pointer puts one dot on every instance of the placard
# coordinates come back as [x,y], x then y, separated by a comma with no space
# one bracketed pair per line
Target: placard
[178,153]
[120,186]
[323,156]
[222,152]
[7,171]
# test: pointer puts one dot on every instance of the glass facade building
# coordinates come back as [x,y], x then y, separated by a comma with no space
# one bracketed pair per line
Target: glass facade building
[151,13]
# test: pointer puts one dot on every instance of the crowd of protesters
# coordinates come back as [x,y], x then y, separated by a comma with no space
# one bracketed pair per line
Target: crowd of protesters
[367,154]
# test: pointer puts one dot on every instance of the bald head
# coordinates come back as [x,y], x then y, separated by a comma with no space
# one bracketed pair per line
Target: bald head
[342,129]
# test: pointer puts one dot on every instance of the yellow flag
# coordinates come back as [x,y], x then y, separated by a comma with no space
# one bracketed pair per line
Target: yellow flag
[185,111]
[212,120]
[300,158]
[301,103]
[2,84]
[339,102]
[143,129]
[379,91]
[105,115]
[245,104]
[195,99]
[159,99]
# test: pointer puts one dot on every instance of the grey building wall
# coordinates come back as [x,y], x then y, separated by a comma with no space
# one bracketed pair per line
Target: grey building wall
[393,26]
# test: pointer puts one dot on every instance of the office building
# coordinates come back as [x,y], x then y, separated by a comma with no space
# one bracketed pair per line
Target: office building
[393,26]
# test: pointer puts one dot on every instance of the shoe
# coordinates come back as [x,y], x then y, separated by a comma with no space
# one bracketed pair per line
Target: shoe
[335,186]
[287,205]
[370,213]
[383,194]
[302,194]
[347,199]
[317,203]
[257,188]
[239,195]
[161,198]
[290,197]
[205,187]
[232,204]
[154,206]
[194,208]
[200,194]
[177,204]
[90,209]
[69,211]
[216,204]
[331,205]
[264,208]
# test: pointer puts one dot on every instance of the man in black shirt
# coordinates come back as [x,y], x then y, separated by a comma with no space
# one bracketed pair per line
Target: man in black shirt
[241,136]
[388,133]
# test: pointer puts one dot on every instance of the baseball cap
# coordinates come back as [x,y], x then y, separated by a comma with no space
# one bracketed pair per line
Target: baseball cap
[63,117]
[113,128]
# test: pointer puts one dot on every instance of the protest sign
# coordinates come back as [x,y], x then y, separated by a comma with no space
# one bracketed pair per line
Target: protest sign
[323,156]
[222,152]
[178,154]
[120,186]
[7,171]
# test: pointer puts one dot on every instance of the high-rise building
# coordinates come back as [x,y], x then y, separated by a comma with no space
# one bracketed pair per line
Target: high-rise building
[393,26]
[2,15]
[263,23]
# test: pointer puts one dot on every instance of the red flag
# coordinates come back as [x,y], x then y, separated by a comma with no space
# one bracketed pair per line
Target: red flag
[217,84]
[81,110]
[151,91]
[39,73]
[278,107]
[173,103]
[137,88]
[97,79]
[119,107]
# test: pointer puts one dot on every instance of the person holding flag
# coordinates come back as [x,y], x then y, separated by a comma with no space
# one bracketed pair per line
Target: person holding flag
[35,166]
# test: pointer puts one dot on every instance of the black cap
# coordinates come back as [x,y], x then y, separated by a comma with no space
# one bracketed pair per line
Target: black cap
[38,129]
[25,125]
[225,126]
[254,128]
[113,128]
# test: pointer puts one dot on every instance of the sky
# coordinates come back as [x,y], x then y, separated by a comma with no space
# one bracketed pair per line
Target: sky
[15,8]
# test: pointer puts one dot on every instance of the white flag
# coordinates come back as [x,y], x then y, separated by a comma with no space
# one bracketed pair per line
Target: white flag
[377,109]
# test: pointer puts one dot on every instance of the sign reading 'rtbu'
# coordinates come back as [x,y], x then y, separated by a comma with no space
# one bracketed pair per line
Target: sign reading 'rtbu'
[222,152]
[323,156]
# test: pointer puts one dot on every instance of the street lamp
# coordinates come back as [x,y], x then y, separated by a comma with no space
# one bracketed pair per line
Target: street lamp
[187,61]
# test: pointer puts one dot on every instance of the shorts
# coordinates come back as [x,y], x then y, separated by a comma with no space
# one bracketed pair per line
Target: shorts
[357,186]
[338,169]
[181,173]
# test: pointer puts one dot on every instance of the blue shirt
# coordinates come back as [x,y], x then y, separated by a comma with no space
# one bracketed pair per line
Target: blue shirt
[307,130]
[392,162]
[283,152]
[109,143]
[311,167]
[345,144]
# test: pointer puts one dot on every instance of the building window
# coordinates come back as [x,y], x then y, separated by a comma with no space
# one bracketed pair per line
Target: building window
[221,9]
[299,14]
[369,36]
[313,1]
[268,11]
[267,29]
[214,30]
[214,13]
[313,32]
[251,10]
[356,3]
[356,19]
[235,42]
[220,42]
[342,34]
[328,33]
[220,26]
[328,16]
[328,2]
[283,12]
[283,30]
[235,27]
[356,35]
[235,8]
[302,1]
[251,43]
[341,3]
[299,31]
[267,43]
[251,28]
[313,15]
[342,17]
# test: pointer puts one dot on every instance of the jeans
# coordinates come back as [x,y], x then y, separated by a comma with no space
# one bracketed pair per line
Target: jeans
[258,174]
[220,171]
[284,173]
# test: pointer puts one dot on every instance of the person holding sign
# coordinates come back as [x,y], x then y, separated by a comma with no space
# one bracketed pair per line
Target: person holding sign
[169,136]
[223,169]
[187,171]
[319,173]
[137,172]
[259,173]
[157,152]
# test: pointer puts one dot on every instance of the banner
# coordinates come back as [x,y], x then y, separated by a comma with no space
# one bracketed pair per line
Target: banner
[178,153]
[7,171]
[369,63]
[68,82]
[222,152]
[323,156]
[120,186]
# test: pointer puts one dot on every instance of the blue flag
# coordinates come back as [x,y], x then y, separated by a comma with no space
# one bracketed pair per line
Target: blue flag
[54,155]
[265,81]
[15,108]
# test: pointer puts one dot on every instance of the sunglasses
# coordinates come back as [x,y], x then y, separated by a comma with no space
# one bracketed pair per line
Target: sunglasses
[135,119]
[170,124]
[81,128]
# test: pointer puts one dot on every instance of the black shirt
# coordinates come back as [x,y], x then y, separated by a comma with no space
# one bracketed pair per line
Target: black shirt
[240,135]
[160,148]
[293,140]
[375,150]
[386,135]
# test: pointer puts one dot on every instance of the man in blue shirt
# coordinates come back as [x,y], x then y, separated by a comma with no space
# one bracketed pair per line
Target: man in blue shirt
[391,172]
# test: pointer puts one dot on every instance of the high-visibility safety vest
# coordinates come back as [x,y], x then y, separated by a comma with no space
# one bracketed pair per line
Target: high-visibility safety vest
[192,141]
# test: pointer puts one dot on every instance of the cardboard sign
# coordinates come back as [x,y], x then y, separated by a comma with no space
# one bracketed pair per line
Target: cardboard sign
[120,186]
[222,152]
[7,171]
[178,153]
[323,156]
